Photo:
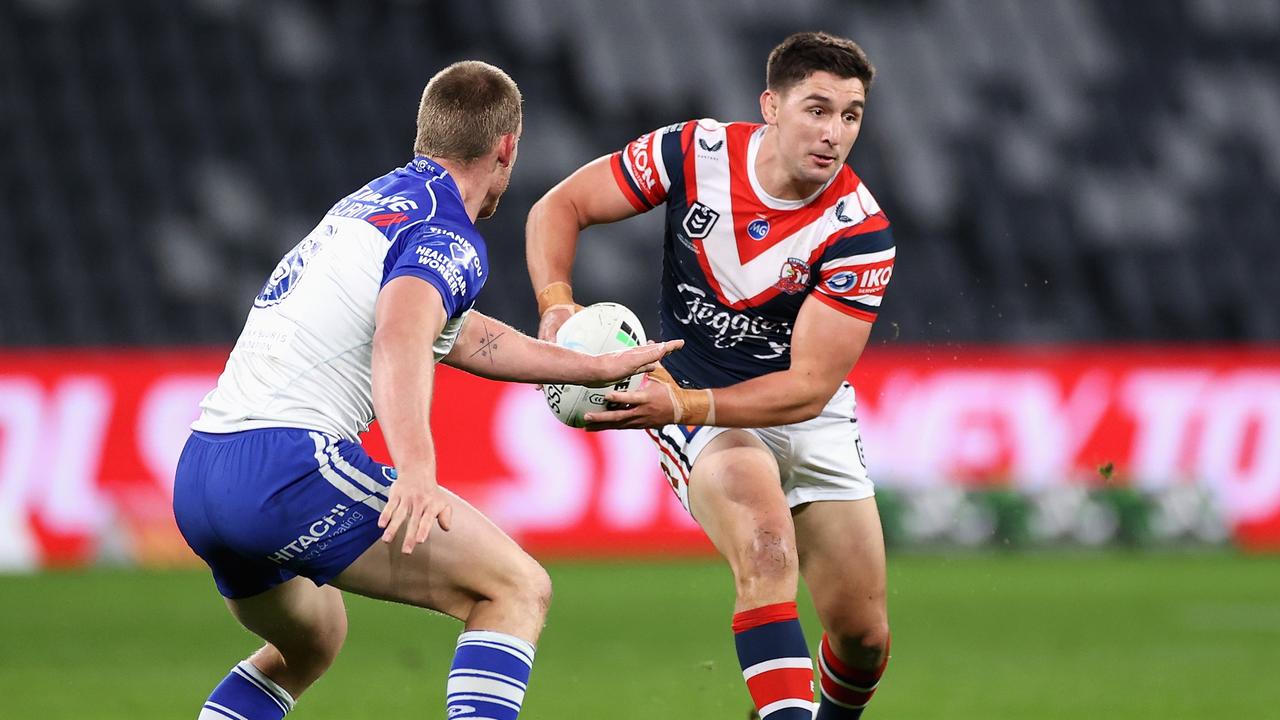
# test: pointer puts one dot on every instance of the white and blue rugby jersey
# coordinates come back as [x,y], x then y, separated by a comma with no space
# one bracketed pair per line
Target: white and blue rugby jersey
[304,357]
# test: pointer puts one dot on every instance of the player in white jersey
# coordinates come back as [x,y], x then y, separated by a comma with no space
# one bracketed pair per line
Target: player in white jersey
[776,258]
[275,493]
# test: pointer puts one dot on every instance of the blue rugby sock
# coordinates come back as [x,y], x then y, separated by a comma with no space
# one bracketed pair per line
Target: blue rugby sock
[489,676]
[246,694]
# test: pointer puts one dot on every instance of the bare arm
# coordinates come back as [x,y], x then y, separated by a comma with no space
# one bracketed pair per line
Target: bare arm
[408,317]
[492,349]
[589,196]
[825,345]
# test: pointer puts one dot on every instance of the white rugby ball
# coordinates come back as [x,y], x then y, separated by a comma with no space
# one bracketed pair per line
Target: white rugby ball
[596,329]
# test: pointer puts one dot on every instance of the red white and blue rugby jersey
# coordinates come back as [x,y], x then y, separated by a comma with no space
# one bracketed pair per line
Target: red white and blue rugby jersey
[737,262]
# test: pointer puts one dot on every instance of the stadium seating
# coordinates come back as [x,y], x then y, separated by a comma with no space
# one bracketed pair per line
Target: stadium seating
[1056,171]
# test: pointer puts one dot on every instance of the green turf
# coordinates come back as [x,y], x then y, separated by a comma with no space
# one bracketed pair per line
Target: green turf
[1017,636]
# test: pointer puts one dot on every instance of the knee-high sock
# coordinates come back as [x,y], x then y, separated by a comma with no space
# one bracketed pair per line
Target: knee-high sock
[775,661]
[246,694]
[489,676]
[845,690]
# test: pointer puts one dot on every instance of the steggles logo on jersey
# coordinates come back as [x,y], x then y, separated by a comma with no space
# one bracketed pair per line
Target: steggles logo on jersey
[731,328]
[699,220]
[794,276]
[758,229]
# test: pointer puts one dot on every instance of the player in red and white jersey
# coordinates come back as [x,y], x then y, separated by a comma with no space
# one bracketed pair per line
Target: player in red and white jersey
[776,258]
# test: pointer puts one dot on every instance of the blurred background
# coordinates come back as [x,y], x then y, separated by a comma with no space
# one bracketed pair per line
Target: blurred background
[1080,349]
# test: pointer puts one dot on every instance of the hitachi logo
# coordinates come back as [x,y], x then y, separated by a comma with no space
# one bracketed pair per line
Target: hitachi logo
[314,534]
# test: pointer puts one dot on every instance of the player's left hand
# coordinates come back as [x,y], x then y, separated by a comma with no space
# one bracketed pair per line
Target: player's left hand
[649,406]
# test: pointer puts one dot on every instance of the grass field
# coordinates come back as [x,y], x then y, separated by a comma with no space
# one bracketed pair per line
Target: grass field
[981,636]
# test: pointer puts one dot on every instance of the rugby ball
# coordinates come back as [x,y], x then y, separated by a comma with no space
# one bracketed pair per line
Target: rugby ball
[596,329]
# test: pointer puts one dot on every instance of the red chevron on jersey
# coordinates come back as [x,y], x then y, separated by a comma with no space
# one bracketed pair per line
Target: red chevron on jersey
[770,245]
[738,263]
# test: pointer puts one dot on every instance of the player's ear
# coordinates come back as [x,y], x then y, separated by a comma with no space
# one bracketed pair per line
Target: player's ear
[769,106]
[507,149]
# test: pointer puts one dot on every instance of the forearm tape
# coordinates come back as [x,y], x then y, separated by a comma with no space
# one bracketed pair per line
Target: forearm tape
[690,407]
[555,295]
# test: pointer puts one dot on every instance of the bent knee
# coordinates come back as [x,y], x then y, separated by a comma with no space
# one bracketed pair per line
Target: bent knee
[768,557]
[863,645]
[527,585]
[323,642]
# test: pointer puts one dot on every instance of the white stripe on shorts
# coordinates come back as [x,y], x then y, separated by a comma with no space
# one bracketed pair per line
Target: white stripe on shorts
[342,484]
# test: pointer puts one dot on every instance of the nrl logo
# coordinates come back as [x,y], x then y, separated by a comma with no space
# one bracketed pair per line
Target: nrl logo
[710,148]
[699,220]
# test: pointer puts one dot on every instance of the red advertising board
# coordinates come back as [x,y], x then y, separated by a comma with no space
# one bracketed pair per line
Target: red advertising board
[89,439]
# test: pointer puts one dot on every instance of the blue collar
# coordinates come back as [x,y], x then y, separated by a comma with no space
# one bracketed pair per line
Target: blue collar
[427,166]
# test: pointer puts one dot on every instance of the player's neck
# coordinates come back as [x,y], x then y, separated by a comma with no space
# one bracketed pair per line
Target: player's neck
[472,184]
[773,175]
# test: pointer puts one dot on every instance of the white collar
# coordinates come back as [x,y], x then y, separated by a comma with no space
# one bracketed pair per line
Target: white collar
[775,203]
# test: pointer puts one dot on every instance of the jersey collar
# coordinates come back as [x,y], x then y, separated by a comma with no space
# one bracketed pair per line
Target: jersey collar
[426,166]
[775,203]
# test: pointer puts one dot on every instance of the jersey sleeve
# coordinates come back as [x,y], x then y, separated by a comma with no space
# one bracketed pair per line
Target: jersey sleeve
[453,263]
[856,267]
[644,168]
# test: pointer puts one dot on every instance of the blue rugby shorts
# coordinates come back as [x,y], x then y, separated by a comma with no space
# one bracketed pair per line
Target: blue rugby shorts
[263,506]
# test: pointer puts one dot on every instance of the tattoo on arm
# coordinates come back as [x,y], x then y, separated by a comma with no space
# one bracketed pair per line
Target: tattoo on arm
[488,343]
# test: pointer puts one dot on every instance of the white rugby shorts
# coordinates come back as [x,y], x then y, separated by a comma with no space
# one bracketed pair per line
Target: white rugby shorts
[818,459]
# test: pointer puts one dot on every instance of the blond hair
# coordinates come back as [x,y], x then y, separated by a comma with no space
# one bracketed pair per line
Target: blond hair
[465,108]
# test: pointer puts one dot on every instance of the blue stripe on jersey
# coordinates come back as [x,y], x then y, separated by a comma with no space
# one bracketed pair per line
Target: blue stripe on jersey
[859,244]
[769,642]
[673,159]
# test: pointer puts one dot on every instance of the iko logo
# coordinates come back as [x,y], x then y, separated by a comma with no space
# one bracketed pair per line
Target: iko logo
[758,229]
[710,148]
[699,220]
[284,279]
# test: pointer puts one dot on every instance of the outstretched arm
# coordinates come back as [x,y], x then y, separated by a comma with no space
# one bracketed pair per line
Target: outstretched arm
[492,349]
[408,317]
[825,345]
[589,196]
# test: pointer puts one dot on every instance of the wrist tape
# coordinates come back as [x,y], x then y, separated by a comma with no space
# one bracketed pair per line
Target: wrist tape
[555,295]
[691,407]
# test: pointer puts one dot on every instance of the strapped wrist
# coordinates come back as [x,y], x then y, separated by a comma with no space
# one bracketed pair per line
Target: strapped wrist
[554,295]
[689,407]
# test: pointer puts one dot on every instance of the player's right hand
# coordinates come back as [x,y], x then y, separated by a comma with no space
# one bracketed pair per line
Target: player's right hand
[416,502]
[553,318]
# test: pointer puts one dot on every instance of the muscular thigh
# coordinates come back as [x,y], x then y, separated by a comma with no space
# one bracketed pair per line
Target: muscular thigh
[842,560]
[736,496]
[449,572]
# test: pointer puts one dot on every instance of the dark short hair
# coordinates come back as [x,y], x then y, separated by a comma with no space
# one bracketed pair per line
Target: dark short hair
[805,53]
[465,108]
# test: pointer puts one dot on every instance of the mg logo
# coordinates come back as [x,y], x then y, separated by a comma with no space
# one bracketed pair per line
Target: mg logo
[699,221]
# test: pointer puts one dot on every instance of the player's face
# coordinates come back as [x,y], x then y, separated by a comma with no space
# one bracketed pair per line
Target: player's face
[501,179]
[817,121]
